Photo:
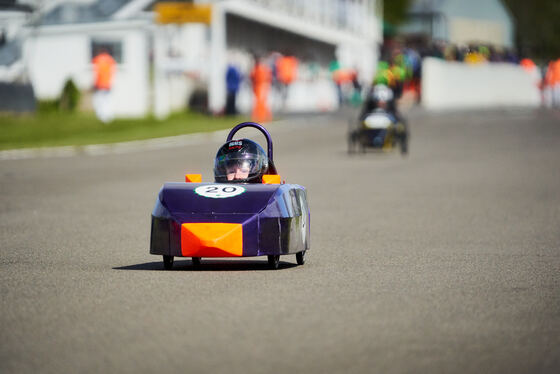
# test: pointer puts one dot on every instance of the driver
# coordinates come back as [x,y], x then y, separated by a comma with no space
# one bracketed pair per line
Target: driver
[382,97]
[241,161]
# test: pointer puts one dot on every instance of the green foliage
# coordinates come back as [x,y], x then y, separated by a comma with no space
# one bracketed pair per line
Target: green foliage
[68,101]
[537,25]
[70,97]
[395,11]
[47,106]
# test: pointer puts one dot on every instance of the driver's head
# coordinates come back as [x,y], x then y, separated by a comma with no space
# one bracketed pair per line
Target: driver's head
[382,104]
[240,161]
[382,94]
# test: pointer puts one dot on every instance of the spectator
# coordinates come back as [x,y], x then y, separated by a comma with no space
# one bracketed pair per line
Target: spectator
[336,73]
[529,66]
[551,91]
[104,68]
[261,77]
[286,70]
[233,81]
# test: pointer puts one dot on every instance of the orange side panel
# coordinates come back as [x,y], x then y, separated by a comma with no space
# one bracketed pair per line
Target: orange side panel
[211,239]
[193,178]
[271,179]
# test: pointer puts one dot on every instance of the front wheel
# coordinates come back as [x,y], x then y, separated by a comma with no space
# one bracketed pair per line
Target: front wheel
[196,261]
[404,144]
[404,147]
[274,261]
[167,262]
[300,258]
[352,143]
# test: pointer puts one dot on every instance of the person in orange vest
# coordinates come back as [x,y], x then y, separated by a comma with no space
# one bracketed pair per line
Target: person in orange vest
[529,66]
[556,83]
[104,68]
[551,86]
[286,70]
[261,77]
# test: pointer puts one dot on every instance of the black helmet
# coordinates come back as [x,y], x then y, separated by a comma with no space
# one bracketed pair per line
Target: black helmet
[240,161]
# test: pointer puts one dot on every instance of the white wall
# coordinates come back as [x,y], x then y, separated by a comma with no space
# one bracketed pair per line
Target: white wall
[181,63]
[466,30]
[460,18]
[456,85]
[360,56]
[54,54]
[132,86]
[50,63]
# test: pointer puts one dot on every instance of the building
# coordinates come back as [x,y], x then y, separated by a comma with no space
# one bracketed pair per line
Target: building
[163,65]
[16,93]
[461,22]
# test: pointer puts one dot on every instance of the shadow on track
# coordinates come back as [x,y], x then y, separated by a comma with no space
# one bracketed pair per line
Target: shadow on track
[208,265]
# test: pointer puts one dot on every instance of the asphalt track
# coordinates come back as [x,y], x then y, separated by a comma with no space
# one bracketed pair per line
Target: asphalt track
[445,261]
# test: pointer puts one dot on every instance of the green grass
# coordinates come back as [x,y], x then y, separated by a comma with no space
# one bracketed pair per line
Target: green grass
[51,128]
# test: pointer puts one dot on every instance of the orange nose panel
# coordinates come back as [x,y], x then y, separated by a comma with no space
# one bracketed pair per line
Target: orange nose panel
[211,239]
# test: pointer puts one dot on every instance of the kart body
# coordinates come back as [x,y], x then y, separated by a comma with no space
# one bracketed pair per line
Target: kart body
[378,130]
[195,219]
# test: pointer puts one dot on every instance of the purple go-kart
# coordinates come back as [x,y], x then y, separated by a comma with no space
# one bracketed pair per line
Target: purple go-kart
[232,218]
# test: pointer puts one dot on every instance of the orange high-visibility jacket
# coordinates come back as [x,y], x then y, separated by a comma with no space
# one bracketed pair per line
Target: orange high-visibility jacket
[286,67]
[104,67]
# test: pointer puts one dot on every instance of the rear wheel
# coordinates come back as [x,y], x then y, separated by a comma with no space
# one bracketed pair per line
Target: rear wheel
[402,134]
[167,262]
[404,147]
[404,143]
[362,146]
[300,258]
[274,261]
[351,142]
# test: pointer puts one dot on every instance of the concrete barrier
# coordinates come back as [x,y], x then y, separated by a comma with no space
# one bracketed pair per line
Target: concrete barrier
[456,85]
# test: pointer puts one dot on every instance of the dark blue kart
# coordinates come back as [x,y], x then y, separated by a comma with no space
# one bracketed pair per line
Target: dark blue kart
[195,219]
[377,130]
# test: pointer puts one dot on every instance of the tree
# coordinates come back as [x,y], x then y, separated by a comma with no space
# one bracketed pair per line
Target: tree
[70,97]
[395,11]
[537,25]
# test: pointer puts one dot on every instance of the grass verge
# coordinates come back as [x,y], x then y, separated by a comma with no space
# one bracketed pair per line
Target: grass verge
[50,129]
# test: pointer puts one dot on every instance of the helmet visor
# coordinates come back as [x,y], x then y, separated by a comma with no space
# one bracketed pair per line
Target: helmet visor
[232,167]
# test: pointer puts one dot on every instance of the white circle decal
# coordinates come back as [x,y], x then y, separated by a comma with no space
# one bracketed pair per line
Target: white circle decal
[219,191]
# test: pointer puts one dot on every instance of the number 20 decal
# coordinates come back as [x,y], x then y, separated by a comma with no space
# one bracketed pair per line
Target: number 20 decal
[219,191]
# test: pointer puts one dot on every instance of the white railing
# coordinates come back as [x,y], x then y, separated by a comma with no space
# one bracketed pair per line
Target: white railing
[360,17]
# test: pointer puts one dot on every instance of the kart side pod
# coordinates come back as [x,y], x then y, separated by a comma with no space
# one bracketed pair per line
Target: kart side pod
[266,179]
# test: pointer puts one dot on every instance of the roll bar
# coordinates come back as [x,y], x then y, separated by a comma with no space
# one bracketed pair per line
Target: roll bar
[258,127]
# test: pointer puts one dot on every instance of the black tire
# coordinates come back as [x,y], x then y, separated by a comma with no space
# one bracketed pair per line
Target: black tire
[404,145]
[196,261]
[362,146]
[274,261]
[167,262]
[351,143]
[404,148]
[300,258]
